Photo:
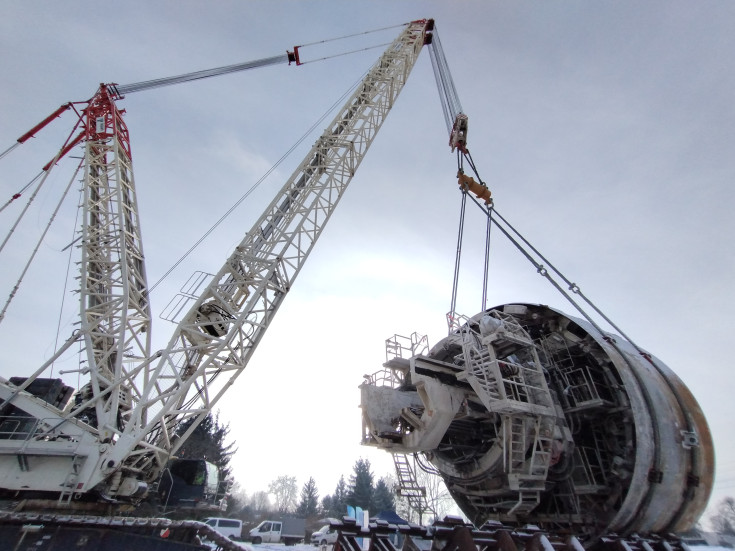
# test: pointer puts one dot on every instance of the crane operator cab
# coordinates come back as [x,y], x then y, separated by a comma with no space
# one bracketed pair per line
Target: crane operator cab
[191,483]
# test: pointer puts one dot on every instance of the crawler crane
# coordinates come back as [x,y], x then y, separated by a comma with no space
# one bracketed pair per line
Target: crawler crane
[481,405]
[112,438]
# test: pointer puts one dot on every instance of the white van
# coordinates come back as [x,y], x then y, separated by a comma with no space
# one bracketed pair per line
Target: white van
[324,536]
[229,527]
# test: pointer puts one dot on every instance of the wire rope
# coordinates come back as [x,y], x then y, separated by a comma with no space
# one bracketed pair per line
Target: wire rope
[40,240]
[66,283]
[124,89]
[352,35]
[457,259]
[18,194]
[486,267]
[347,53]
[8,150]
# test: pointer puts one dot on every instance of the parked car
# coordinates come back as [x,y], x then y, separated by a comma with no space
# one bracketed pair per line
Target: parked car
[229,527]
[324,536]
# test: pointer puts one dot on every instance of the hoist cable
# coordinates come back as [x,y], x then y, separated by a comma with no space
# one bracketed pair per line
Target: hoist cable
[8,150]
[573,287]
[540,269]
[457,258]
[40,239]
[352,35]
[17,194]
[486,270]
[448,119]
[45,172]
[257,183]
[25,209]
[448,95]
[446,74]
[124,89]
[611,341]
[346,53]
[468,156]
[66,283]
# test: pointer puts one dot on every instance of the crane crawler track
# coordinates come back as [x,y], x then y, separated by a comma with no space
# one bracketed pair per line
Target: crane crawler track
[90,533]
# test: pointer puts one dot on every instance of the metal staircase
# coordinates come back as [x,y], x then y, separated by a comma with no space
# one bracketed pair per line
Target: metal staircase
[409,487]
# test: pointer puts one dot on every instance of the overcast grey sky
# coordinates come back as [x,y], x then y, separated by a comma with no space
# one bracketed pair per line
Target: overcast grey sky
[605,131]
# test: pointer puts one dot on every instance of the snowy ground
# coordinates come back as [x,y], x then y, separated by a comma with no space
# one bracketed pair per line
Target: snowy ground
[307,547]
[274,547]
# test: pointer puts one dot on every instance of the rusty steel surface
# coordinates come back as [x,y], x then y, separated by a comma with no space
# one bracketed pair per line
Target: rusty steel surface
[533,416]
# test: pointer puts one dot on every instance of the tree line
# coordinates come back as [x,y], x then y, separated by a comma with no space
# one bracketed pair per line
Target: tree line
[360,489]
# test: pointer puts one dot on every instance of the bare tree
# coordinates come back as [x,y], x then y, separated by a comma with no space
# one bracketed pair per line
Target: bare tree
[284,491]
[437,500]
[723,521]
[236,499]
[260,502]
[437,496]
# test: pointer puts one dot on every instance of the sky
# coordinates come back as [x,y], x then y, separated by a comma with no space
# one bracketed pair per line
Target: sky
[605,131]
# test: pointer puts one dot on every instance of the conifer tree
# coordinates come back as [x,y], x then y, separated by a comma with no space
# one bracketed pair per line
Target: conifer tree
[340,498]
[383,499]
[208,441]
[327,507]
[361,485]
[309,503]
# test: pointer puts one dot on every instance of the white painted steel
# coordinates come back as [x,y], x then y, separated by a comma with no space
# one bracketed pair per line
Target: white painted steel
[121,431]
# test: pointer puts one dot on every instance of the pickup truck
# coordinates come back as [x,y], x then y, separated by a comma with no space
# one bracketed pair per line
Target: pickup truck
[287,530]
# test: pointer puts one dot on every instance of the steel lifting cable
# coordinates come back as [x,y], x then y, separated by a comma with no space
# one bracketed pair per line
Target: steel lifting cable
[20,192]
[457,258]
[352,35]
[461,157]
[40,240]
[43,175]
[519,243]
[66,282]
[288,57]
[486,267]
[544,272]
[573,287]
[121,90]
[466,155]
[365,49]
[448,95]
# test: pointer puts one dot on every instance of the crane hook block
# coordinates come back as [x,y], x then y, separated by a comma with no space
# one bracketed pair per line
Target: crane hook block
[468,183]
[458,137]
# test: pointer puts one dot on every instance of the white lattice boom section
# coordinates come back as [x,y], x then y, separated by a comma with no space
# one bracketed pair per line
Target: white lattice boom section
[218,335]
[117,433]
